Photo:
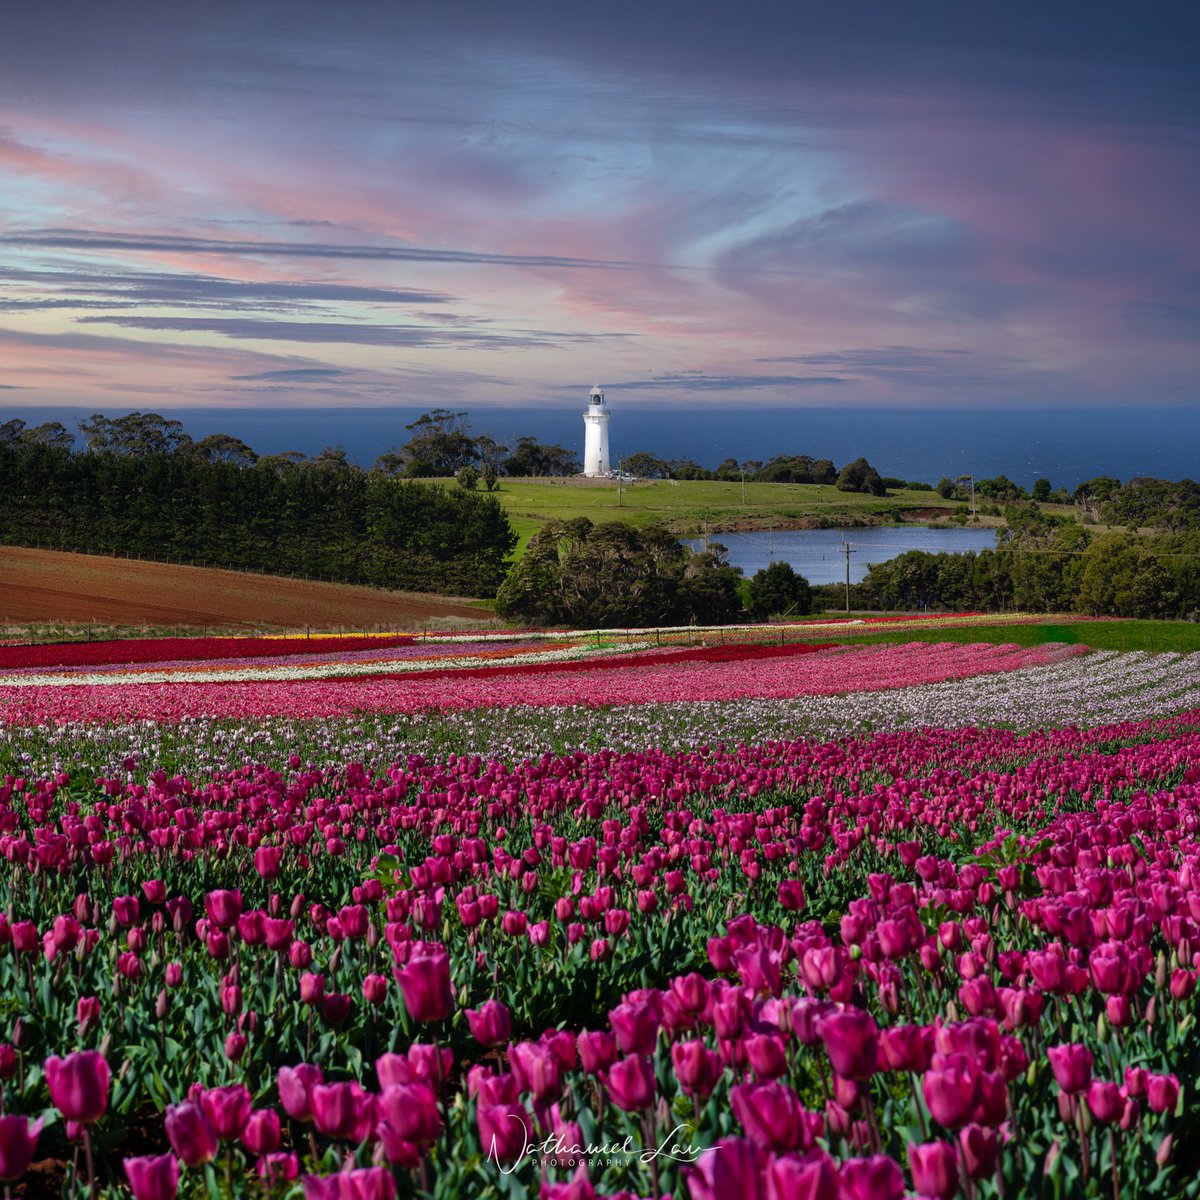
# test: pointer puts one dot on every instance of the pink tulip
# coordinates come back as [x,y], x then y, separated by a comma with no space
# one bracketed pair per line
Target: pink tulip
[425,983]
[223,907]
[18,1141]
[730,1168]
[295,1089]
[491,1023]
[504,1132]
[262,1132]
[190,1134]
[851,1040]
[227,1109]
[934,1167]
[696,1067]
[339,1109]
[1072,1067]
[79,1085]
[153,1177]
[771,1115]
[1105,1101]
[631,1083]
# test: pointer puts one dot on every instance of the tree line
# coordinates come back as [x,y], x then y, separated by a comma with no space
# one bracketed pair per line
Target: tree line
[1043,565]
[320,517]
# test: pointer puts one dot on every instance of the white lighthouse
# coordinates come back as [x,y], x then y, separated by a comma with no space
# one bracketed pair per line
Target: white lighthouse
[595,441]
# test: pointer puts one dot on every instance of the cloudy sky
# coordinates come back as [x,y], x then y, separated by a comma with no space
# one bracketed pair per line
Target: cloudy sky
[463,202]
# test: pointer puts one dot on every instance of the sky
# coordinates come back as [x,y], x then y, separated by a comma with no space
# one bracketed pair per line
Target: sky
[461,203]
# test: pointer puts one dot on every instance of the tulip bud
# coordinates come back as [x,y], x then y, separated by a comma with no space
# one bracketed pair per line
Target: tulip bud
[1162,1155]
[162,1005]
[1152,1011]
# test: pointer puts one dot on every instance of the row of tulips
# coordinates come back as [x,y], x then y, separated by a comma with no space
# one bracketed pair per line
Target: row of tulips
[736,673]
[864,967]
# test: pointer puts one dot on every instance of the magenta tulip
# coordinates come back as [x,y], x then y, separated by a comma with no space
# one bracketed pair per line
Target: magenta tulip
[952,1092]
[874,1178]
[631,1083]
[190,1134]
[934,1167]
[730,1168]
[851,1040]
[18,1141]
[262,1132]
[1162,1093]
[153,1176]
[504,1132]
[771,1115]
[1072,1067]
[295,1089]
[228,1110]
[425,983]
[491,1023]
[79,1085]
[411,1109]
[811,1176]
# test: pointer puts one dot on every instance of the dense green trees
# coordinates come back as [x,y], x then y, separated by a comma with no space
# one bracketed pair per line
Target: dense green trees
[320,517]
[777,591]
[611,575]
[1055,567]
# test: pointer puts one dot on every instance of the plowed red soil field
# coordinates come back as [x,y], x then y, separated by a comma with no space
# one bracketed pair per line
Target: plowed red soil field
[47,586]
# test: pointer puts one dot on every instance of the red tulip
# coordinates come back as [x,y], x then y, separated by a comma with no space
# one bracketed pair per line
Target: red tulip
[79,1085]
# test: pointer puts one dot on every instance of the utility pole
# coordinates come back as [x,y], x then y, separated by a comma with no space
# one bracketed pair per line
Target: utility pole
[620,462]
[743,470]
[846,551]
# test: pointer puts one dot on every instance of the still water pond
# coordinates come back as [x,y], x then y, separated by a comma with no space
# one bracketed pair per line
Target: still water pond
[817,554]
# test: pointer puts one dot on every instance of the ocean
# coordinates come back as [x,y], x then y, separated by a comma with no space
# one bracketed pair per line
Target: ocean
[1066,446]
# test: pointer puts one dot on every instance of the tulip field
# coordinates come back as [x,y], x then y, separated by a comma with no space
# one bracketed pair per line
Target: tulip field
[513,916]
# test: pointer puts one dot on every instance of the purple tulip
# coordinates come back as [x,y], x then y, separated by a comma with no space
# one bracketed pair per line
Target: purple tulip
[874,1178]
[262,1132]
[411,1109]
[771,1115]
[504,1132]
[1162,1093]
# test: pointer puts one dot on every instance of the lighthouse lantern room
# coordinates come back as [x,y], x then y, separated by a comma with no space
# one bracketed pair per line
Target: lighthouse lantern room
[595,442]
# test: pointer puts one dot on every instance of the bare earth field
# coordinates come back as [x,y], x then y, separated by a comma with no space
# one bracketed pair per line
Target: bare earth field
[44,586]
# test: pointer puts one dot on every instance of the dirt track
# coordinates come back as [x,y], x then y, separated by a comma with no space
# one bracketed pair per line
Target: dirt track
[46,586]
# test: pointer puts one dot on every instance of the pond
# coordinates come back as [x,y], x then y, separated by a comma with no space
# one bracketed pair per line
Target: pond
[817,554]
